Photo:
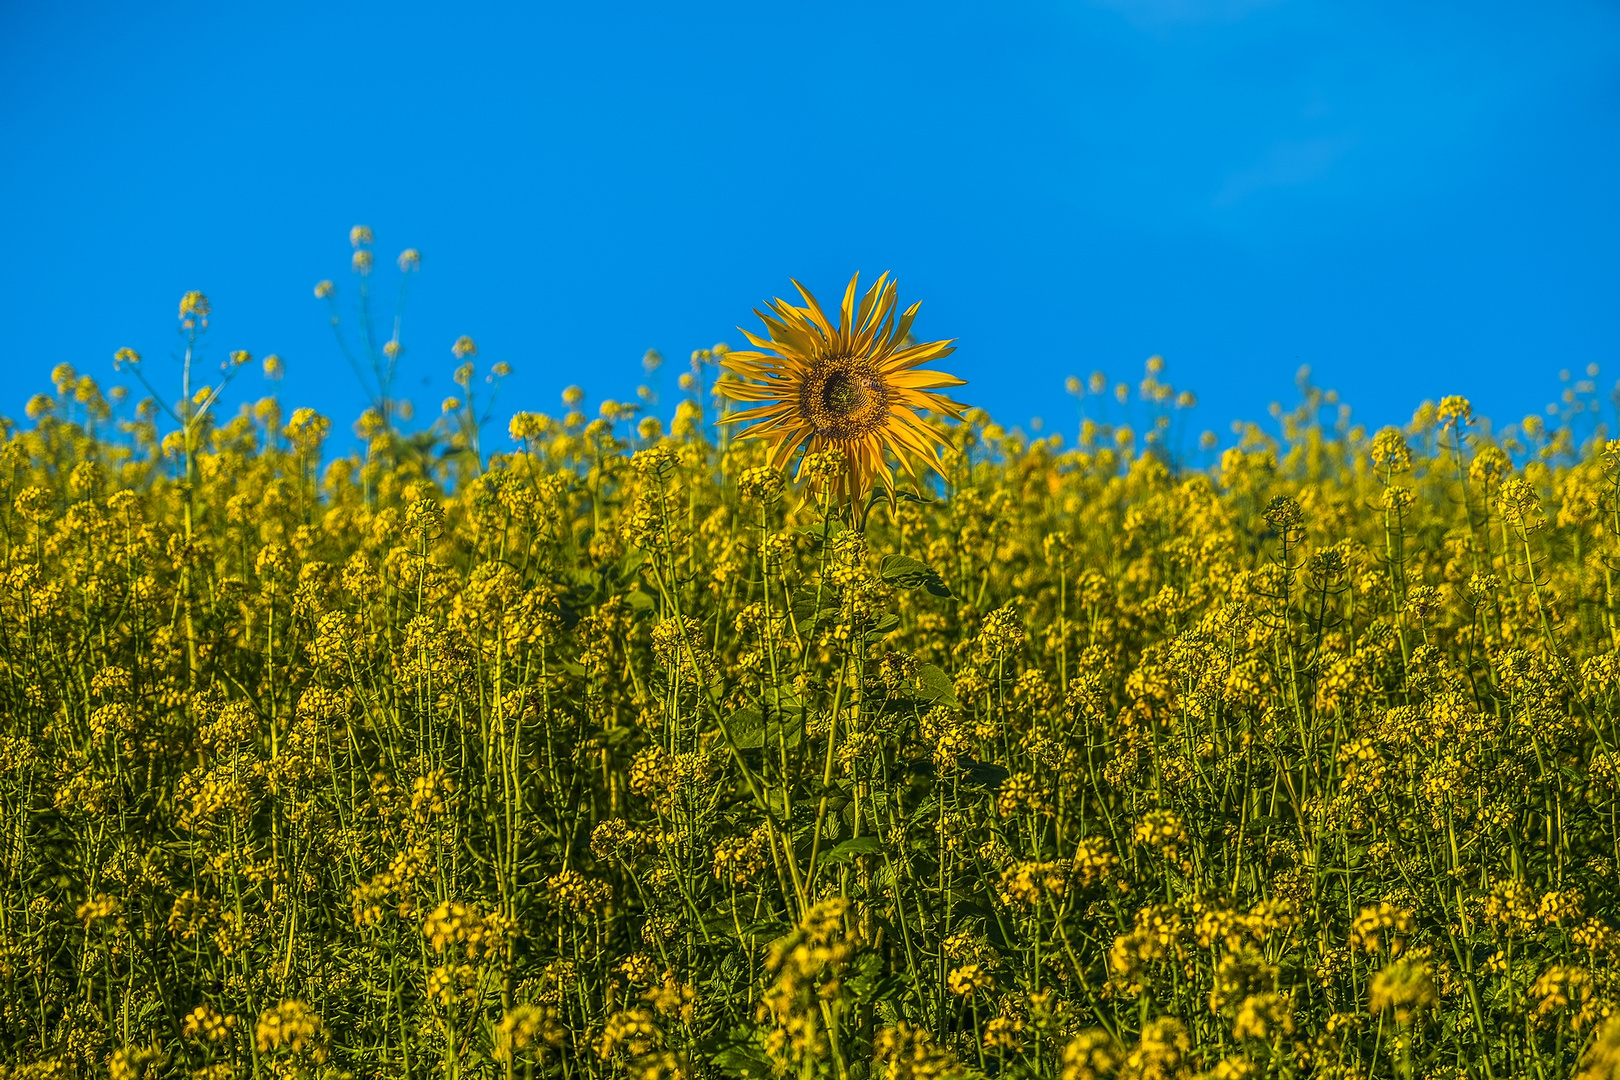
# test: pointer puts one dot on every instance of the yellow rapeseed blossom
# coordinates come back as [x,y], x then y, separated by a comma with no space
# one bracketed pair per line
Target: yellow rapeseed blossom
[1161,1052]
[1601,1060]
[584,737]
[1381,928]
[1405,987]
[527,1028]
[292,1027]
[207,1023]
[1093,1054]
[194,305]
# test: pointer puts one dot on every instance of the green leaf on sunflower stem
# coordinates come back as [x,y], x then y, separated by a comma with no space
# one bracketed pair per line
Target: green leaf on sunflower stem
[879,495]
[902,571]
[829,528]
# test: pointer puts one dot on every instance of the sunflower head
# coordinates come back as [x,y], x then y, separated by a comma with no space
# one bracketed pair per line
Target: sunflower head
[857,385]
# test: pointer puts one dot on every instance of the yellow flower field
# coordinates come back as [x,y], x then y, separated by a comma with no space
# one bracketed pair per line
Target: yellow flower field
[618,753]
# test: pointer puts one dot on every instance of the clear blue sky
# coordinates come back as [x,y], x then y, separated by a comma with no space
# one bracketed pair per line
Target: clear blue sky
[1415,199]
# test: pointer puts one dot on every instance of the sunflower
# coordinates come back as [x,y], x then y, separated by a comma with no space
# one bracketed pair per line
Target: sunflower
[856,386]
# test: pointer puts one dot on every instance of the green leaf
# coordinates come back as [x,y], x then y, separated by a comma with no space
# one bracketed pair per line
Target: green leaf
[751,731]
[883,627]
[615,737]
[724,924]
[830,526]
[936,686]
[984,773]
[849,849]
[747,728]
[776,699]
[743,1061]
[809,604]
[791,731]
[905,572]
[900,496]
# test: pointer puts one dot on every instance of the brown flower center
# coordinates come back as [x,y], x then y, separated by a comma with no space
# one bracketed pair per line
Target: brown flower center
[842,393]
[844,398]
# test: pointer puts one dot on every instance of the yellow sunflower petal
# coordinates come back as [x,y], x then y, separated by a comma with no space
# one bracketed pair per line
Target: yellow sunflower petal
[858,385]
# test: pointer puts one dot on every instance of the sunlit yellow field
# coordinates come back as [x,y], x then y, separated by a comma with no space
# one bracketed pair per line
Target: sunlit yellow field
[623,754]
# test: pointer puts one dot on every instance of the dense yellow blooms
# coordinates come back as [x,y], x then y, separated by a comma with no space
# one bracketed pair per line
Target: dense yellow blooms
[620,753]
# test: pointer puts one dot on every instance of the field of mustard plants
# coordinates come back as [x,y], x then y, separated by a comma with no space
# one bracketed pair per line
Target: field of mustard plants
[634,752]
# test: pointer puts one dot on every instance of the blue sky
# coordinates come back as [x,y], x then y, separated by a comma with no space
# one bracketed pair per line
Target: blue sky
[1414,199]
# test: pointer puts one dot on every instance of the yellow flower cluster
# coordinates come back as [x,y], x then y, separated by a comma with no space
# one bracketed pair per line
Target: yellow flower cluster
[453,923]
[292,1027]
[206,1022]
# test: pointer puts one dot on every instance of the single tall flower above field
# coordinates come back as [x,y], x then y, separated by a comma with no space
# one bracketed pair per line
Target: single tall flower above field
[857,385]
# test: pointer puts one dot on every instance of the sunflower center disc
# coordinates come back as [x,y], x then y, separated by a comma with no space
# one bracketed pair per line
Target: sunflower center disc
[843,394]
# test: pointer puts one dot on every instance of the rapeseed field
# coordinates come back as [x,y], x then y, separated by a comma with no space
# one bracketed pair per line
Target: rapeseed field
[621,751]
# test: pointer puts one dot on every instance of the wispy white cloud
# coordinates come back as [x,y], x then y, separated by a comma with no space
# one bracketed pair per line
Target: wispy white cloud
[1285,164]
